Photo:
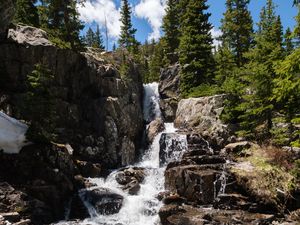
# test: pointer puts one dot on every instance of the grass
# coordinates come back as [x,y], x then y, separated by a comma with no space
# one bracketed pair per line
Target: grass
[269,181]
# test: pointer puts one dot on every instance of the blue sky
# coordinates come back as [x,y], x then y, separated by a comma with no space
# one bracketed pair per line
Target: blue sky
[147,15]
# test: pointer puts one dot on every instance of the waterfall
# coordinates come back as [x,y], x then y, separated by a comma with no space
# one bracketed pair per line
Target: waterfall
[142,208]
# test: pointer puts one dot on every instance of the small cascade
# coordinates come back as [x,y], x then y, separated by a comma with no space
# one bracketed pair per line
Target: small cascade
[141,207]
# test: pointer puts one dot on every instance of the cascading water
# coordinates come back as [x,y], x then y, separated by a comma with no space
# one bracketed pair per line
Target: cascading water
[142,208]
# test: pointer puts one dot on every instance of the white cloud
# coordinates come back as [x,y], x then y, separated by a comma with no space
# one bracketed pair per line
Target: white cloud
[215,33]
[97,10]
[153,11]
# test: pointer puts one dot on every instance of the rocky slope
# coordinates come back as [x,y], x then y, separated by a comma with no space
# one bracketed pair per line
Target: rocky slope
[98,120]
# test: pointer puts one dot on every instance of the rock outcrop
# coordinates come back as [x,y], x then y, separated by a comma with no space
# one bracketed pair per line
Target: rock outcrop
[202,115]
[98,113]
[169,91]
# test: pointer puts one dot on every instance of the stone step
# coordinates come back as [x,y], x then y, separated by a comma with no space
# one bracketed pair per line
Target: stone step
[195,152]
[207,159]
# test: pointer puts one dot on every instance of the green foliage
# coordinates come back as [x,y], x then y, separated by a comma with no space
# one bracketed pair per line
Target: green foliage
[156,63]
[94,39]
[127,36]
[26,13]
[203,90]
[296,32]
[237,28]
[39,105]
[195,47]
[170,27]
[288,44]
[60,19]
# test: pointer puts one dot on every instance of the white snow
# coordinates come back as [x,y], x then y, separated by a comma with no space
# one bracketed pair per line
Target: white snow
[12,134]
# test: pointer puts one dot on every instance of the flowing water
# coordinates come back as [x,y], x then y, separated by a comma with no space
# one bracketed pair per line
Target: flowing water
[141,209]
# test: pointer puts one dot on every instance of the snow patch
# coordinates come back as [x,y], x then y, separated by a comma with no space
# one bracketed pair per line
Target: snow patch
[12,134]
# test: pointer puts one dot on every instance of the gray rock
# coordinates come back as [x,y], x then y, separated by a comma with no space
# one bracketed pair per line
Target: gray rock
[169,91]
[154,128]
[203,116]
[29,35]
[104,200]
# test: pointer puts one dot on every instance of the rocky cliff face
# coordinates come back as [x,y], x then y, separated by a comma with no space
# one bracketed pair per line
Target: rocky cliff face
[7,10]
[99,113]
[169,91]
[202,116]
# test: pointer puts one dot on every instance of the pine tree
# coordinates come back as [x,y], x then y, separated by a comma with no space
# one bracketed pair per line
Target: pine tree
[296,32]
[26,13]
[288,44]
[257,105]
[171,29]
[195,47]
[155,64]
[63,21]
[98,41]
[237,28]
[89,37]
[127,36]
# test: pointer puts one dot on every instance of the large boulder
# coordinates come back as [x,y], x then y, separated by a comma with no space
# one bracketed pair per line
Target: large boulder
[169,91]
[103,200]
[202,115]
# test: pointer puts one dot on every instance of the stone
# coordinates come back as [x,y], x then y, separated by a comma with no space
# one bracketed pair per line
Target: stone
[169,91]
[202,115]
[154,128]
[28,35]
[11,216]
[237,147]
[104,200]
[88,169]
[127,152]
[171,147]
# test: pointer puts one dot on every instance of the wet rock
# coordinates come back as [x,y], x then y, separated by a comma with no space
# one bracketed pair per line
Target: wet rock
[104,200]
[193,183]
[127,151]
[130,179]
[88,169]
[78,209]
[171,147]
[154,128]
[202,115]
[11,216]
[175,198]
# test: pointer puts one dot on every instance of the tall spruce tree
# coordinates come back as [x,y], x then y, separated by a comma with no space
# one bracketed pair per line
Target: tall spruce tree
[98,40]
[63,21]
[296,32]
[288,44]
[127,36]
[171,29]
[26,13]
[195,47]
[89,37]
[257,103]
[237,28]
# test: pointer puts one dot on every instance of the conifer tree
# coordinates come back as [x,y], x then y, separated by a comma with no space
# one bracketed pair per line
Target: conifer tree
[63,21]
[156,63]
[127,36]
[288,44]
[257,99]
[98,41]
[195,47]
[26,13]
[171,29]
[237,28]
[89,37]
[296,32]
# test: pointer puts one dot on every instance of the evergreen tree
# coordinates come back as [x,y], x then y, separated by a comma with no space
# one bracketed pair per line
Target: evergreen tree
[26,13]
[195,47]
[89,37]
[155,64]
[296,32]
[171,29]
[63,21]
[237,28]
[98,41]
[127,36]
[288,44]
[257,105]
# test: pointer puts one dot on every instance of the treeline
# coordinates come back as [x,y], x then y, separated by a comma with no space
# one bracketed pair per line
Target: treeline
[257,70]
